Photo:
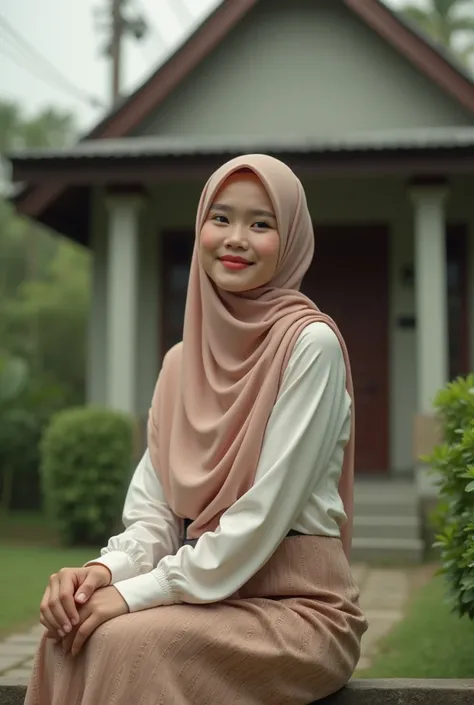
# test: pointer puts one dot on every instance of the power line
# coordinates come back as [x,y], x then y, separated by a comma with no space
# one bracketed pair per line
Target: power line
[24,63]
[38,61]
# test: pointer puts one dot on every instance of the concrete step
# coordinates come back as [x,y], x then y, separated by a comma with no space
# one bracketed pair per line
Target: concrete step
[381,507]
[387,526]
[387,489]
[368,483]
[391,492]
[385,500]
[387,550]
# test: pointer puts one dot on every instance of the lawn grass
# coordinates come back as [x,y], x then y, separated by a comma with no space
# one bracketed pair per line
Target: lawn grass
[25,573]
[29,553]
[431,642]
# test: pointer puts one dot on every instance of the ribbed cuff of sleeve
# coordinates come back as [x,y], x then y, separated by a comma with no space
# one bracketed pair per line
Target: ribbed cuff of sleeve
[146,591]
[120,564]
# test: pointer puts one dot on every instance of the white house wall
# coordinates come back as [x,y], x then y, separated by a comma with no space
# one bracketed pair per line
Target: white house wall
[305,67]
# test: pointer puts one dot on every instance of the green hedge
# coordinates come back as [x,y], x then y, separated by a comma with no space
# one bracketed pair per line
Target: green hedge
[86,460]
[20,435]
[453,464]
[26,406]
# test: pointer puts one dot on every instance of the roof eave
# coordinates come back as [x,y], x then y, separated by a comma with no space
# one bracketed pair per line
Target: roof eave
[132,169]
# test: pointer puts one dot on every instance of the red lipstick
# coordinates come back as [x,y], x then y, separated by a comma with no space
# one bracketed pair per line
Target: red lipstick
[234,262]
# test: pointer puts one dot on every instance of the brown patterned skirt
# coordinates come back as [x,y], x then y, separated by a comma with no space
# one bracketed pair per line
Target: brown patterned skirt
[290,636]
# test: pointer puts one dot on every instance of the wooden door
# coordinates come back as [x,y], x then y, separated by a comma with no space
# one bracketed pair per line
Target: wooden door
[349,281]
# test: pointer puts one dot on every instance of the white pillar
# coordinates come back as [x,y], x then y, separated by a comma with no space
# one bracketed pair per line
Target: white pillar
[431,293]
[122,301]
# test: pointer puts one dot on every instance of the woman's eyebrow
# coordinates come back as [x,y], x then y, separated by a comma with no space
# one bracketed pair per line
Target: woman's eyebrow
[253,212]
[266,214]
[221,207]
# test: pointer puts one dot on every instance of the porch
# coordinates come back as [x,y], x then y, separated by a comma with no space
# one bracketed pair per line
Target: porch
[394,265]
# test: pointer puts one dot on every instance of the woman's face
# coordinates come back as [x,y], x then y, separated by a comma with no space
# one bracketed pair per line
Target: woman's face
[239,243]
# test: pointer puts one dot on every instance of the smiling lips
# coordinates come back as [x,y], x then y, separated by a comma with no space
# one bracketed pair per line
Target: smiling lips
[234,262]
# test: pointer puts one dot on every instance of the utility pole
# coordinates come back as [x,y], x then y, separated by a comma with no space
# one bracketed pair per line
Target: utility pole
[119,23]
[115,47]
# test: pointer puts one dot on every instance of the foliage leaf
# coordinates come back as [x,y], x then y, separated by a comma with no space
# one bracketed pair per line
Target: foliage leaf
[453,464]
[85,467]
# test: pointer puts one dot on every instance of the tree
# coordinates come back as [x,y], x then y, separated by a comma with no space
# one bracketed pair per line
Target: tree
[41,274]
[46,322]
[448,23]
[13,381]
[49,128]
[43,316]
[26,249]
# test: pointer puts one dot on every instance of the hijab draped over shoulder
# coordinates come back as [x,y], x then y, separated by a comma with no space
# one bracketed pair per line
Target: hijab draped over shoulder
[217,388]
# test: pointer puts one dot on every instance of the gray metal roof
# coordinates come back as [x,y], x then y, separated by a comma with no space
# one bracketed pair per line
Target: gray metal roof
[149,147]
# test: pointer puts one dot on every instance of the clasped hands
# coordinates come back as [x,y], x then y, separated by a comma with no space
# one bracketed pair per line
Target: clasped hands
[76,601]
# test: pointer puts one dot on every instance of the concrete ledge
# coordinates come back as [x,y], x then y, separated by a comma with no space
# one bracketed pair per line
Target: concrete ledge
[12,691]
[403,692]
[358,692]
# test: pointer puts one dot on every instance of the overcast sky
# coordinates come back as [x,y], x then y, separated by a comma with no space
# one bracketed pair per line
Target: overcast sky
[66,33]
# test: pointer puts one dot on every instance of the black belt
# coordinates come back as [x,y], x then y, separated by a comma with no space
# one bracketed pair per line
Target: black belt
[192,542]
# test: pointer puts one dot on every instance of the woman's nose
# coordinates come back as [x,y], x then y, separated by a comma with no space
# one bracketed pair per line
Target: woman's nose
[236,237]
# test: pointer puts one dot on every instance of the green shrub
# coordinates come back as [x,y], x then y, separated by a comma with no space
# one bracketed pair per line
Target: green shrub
[453,464]
[86,458]
[22,424]
[20,435]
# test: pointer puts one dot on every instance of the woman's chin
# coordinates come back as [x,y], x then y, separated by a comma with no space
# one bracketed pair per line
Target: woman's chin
[233,287]
[238,282]
[234,282]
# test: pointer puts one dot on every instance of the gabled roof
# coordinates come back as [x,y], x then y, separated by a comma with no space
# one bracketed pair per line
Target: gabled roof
[424,54]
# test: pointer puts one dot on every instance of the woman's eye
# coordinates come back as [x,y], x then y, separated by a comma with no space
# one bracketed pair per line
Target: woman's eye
[220,218]
[261,225]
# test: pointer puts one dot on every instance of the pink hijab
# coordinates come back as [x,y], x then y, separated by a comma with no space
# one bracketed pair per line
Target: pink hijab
[217,388]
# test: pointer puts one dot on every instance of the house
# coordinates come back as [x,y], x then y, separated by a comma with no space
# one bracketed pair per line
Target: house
[379,124]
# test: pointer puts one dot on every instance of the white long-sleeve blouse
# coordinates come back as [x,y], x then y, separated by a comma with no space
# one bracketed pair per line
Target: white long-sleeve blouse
[295,487]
